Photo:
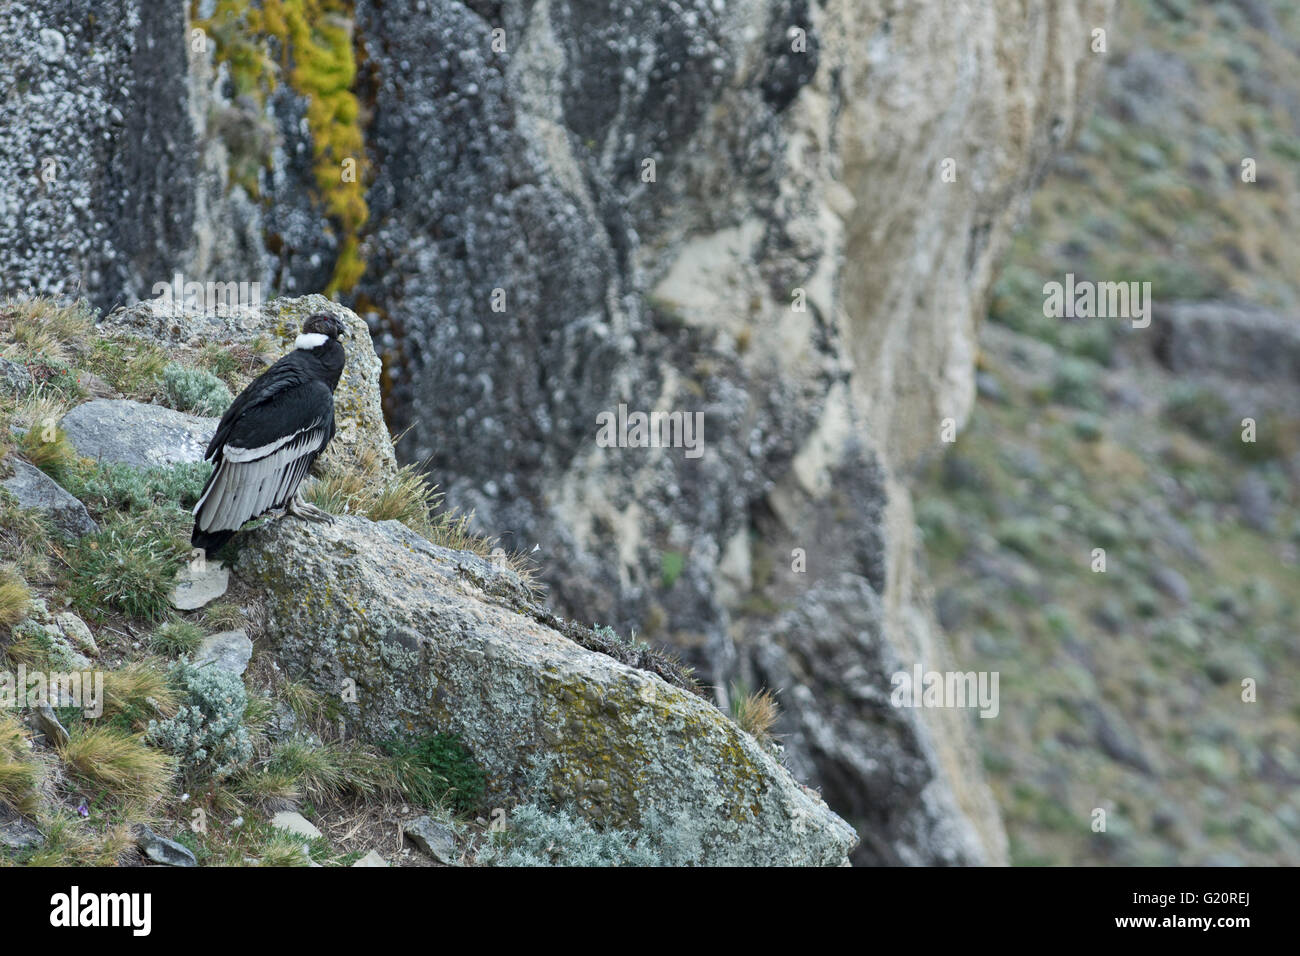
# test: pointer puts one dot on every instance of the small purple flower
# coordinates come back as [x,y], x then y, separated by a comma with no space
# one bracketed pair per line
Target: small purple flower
[83,809]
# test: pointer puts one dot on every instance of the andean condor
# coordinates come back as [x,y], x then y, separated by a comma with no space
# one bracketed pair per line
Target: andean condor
[270,435]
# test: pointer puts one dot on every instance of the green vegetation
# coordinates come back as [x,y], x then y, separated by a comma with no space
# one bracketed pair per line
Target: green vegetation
[130,565]
[438,770]
[308,42]
[19,772]
[195,390]
[15,597]
[207,733]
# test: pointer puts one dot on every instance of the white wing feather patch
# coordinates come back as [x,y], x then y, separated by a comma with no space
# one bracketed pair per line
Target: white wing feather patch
[244,488]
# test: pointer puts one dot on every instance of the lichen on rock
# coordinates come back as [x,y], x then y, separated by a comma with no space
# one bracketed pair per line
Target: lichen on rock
[386,622]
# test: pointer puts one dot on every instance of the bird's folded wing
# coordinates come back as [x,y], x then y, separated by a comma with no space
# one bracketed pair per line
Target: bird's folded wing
[266,456]
[280,381]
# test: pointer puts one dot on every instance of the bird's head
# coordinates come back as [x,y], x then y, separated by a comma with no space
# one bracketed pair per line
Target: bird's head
[322,323]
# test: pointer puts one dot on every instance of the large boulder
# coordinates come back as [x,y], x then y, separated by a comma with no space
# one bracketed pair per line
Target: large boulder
[34,489]
[362,438]
[436,640]
[137,434]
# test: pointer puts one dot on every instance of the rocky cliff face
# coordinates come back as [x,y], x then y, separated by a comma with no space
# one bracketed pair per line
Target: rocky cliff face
[738,210]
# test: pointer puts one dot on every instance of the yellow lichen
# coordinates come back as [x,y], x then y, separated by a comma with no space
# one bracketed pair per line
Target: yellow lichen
[310,43]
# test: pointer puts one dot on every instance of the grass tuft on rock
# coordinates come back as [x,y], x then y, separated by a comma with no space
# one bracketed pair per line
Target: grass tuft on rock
[15,596]
[438,770]
[176,638]
[19,771]
[756,713]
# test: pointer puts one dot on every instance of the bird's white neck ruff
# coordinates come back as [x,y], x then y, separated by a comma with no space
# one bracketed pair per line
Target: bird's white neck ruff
[310,340]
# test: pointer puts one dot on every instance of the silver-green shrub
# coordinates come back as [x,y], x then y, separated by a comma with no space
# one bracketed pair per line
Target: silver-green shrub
[195,390]
[207,734]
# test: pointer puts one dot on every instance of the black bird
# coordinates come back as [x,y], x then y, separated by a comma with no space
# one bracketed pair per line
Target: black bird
[269,437]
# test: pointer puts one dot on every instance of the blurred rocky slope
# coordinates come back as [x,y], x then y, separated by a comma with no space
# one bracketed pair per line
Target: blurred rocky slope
[793,265]
[1093,434]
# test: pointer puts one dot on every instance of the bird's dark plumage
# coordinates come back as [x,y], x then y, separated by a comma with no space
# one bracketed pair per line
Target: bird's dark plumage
[271,434]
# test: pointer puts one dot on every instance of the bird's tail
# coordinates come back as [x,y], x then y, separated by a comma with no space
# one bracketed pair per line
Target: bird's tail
[210,541]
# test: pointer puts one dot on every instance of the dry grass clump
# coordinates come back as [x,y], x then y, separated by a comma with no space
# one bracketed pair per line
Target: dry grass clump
[756,714]
[107,758]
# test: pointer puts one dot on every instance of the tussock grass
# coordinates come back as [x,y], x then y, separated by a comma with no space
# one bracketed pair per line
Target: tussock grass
[756,714]
[19,771]
[410,498]
[130,565]
[15,596]
[26,647]
[306,703]
[283,849]
[332,769]
[39,438]
[25,537]
[132,366]
[137,693]
[121,763]
[176,638]
[224,616]
[70,841]
[41,326]
[356,489]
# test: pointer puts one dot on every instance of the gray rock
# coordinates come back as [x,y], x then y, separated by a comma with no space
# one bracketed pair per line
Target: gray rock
[164,851]
[1255,499]
[198,588]
[876,762]
[76,631]
[373,858]
[443,639]
[774,172]
[294,822]
[14,379]
[1170,581]
[1250,344]
[229,651]
[48,724]
[37,490]
[137,434]
[18,833]
[435,839]
[77,81]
